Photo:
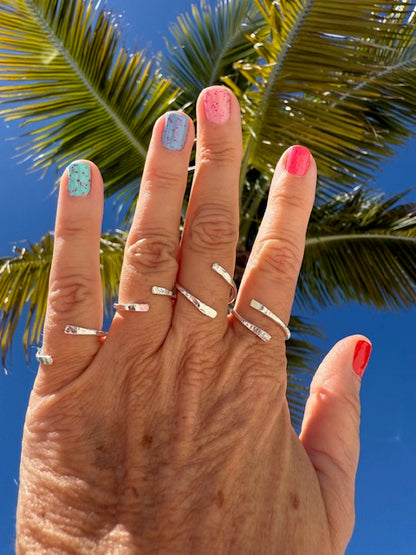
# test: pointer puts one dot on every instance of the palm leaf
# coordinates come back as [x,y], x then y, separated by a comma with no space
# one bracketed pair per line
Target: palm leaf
[338,77]
[24,285]
[206,43]
[78,91]
[360,247]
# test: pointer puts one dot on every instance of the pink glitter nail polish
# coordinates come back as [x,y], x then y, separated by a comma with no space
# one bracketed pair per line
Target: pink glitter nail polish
[217,103]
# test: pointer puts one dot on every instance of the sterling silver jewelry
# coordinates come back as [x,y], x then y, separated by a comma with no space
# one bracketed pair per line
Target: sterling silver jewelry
[267,312]
[224,274]
[263,335]
[77,330]
[132,307]
[156,290]
[202,307]
[47,360]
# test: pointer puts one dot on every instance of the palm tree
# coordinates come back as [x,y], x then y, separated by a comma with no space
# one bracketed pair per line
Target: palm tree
[338,77]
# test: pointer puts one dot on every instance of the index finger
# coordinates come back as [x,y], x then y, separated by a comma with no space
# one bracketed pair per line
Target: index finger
[273,268]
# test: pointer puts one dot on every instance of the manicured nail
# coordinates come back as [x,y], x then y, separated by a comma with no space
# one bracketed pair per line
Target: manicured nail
[217,103]
[361,357]
[298,160]
[175,131]
[79,179]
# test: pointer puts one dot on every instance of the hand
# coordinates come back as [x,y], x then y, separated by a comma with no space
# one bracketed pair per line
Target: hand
[172,434]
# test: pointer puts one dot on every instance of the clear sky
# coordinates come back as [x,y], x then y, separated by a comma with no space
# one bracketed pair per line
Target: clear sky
[386,485]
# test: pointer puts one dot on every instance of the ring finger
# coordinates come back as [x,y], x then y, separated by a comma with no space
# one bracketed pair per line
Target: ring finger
[150,258]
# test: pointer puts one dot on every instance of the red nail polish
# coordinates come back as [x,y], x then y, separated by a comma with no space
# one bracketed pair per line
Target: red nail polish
[361,356]
[298,160]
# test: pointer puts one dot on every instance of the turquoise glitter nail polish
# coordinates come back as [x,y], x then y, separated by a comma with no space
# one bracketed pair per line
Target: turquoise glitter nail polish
[175,131]
[79,179]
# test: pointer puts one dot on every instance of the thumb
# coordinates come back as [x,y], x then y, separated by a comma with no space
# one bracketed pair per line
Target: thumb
[330,431]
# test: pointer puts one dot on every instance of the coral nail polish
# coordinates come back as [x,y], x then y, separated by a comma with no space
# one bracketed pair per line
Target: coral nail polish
[361,357]
[217,104]
[298,160]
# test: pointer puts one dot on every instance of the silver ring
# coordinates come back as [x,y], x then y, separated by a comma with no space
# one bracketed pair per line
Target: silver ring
[224,274]
[77,330]
[47,360]
[132,307]
[156,290]
[263,335]
[202,307]
[264,310]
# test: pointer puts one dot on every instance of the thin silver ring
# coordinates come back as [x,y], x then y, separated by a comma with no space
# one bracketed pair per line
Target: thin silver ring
[263,335]
[202,307]
[47,360]
[156,290]
[267,312]
[225,275]
[132,307]
[77,330]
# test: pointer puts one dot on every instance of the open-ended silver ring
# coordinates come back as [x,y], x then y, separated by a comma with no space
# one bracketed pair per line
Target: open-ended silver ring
[132,307]
[225,275]
[156,290]
[202,307]
[47,360]
[267,312]
[263,335]
[77,330]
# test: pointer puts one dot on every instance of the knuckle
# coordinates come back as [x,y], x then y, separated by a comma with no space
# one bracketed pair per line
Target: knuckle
[289,198]
[213,227]
[155,251]
[69,290]
[258,372]
[162,177]
[220,151]
[279,257]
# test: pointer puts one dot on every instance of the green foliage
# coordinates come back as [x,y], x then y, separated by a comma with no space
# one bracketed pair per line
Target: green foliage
[358,245]
[81,94]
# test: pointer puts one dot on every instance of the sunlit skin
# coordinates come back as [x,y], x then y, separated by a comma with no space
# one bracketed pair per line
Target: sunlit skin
[173,434]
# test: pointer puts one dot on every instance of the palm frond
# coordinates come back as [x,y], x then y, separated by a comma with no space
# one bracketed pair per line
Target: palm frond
[24,285]
[337,77]
[360,247]
[78,91]
[207,42]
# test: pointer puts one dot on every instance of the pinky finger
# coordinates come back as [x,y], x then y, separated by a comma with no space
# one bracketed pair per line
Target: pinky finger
[75,292]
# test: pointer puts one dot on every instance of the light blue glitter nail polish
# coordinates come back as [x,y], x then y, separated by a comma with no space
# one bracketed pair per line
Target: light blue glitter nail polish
[175,131]
[79,179]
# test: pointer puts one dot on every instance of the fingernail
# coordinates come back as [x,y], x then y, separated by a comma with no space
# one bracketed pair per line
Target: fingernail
[361,357]
[217,103]
[79,179]
[298,160]
[175,131]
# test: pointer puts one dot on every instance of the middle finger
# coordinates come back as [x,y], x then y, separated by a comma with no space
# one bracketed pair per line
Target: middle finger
[211,227]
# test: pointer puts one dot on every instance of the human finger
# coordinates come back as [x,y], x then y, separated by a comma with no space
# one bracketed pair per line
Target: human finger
[211,227]
[75,291]
[330,431]
[268,285]
[150,258]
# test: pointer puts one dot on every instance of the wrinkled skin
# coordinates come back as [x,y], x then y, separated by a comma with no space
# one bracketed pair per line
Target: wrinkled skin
[173,435]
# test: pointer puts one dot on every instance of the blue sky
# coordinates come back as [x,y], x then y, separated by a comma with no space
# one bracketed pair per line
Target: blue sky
[386,486]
